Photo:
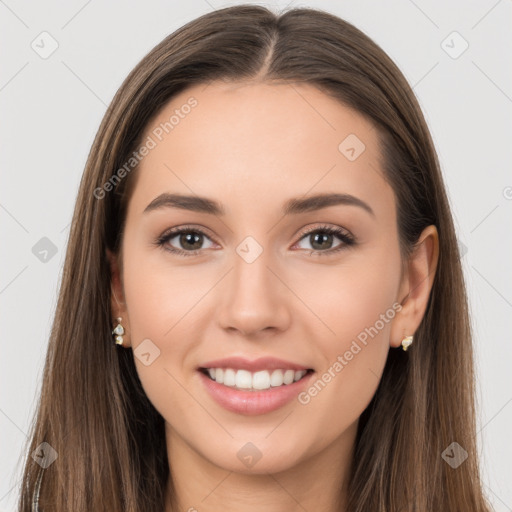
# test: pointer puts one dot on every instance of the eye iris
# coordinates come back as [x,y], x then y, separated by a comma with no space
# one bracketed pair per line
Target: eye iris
[189,238]
[323,237]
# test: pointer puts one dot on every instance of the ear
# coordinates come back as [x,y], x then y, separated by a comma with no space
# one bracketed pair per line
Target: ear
[117,301]
[416,285]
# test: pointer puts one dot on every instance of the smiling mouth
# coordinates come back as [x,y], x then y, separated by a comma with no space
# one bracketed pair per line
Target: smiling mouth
[245,380]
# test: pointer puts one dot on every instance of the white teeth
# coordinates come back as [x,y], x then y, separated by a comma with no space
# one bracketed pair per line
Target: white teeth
[243,379]
[229,377]
[289,376]
[263,379]
[276,379]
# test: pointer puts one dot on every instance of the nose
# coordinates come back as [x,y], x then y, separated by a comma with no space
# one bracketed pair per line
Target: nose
[254,298]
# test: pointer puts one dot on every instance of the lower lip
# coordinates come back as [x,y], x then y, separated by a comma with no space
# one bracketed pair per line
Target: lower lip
[252,403]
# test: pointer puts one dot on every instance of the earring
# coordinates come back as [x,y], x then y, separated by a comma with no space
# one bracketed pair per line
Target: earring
[406,342]
[118,332]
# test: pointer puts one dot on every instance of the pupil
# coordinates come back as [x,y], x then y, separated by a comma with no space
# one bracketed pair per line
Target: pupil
[318,235]
[188,238]
[195,238]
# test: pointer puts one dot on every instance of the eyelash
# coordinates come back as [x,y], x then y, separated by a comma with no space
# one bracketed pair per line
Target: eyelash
[348,240]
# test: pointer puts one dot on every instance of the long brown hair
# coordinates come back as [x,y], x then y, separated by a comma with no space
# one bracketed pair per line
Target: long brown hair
[109,439]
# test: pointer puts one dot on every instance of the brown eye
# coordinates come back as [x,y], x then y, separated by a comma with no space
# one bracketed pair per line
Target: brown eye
[185,241]
[321,240]
[190,240]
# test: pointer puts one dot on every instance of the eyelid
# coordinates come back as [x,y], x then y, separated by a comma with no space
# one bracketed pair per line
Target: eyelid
[204,230]
[162,240]
[322,227]
[346,238]
[188,227]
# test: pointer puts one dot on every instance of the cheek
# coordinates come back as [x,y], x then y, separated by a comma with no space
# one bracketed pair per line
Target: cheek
[161,315]
[356,304]
[352,297]
[351,306]
[159,296]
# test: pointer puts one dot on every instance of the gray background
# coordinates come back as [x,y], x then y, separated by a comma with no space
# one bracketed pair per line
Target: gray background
[51,108]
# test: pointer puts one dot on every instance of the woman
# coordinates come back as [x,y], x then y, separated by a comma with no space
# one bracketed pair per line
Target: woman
[202,357]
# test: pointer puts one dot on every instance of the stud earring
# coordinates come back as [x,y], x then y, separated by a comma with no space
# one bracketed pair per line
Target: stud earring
[406,342]
[118,332]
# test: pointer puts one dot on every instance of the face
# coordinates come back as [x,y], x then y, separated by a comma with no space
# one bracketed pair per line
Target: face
[315,284]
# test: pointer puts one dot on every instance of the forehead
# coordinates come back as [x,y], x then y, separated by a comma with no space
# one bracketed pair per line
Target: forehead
[247,144]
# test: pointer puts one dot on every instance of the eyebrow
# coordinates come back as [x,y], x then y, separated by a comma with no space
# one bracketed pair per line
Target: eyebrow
[291,207]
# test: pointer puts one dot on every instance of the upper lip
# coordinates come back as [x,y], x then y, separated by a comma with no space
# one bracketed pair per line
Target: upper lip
[262,363]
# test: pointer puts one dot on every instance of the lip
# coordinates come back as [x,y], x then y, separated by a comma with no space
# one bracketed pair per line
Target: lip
[262,363]
[252,403]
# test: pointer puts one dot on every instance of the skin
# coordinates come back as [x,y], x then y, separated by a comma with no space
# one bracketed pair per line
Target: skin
[251,147]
